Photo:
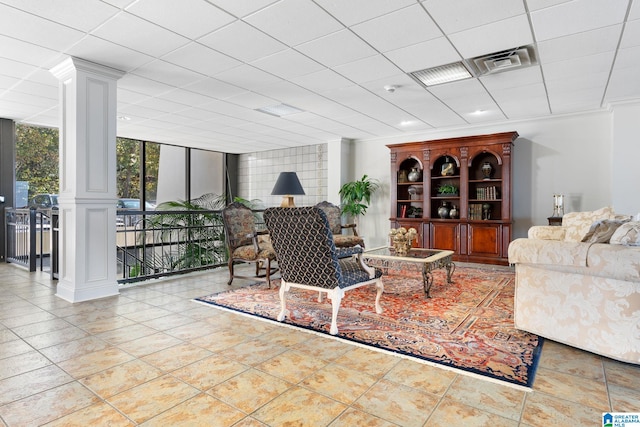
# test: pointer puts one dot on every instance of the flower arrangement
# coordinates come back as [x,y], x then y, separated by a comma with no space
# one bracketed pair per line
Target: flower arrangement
[402,239]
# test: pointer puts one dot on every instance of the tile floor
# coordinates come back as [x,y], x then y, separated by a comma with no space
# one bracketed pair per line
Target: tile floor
[153,357]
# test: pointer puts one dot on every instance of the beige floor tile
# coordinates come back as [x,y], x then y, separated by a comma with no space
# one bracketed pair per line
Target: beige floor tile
[202,410]
[7,335]
[14,348]
[36,381]
[120,378]
[249,390]
[622,374]
[624,399]
[145,315]
[128,333]
[249,422]
[88,364]
[219,340]
[286,336]
[175,357]
[209,371]
[167,322]
[192,331]
[49,339]
[99,414]
[452,413]
[67,350]
[397,403]
[370,362]
[488,396]
[149,344]
[150,399]
[291,366]
[339,383]
[253,352]
[16,365]
[588,392]
[48,405]
[41,327]
[107,324]
[570,360]
[23,320]
[541,409]
[421,376]
[328,349]
[355,418]
[131,306]
[293,408]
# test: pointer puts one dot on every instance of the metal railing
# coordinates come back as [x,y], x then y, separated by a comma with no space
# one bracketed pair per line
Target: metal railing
[28,237]
[149,244]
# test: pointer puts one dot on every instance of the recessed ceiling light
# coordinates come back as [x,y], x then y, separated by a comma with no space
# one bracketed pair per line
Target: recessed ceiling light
[442,74]
[279,110]
[124,118]
[406,123]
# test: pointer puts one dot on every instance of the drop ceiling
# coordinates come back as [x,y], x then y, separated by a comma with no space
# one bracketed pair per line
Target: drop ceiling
[197,71]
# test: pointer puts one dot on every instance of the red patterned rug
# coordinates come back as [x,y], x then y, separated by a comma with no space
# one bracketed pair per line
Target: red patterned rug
[466,325]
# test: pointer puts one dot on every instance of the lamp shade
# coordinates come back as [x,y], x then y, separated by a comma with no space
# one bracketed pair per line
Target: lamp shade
[287,184]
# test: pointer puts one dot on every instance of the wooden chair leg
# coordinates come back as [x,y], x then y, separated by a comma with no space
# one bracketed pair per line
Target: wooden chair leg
[268,272]
[230,272]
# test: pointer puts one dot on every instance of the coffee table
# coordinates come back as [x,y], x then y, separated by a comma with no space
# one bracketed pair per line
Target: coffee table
[418,259]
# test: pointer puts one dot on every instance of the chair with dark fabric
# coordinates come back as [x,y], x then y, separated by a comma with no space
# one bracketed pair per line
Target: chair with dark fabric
[308,259]
[334,217]
[245,243]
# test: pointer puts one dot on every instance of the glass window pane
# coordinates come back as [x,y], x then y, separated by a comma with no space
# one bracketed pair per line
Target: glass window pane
[171,174]
[207,173]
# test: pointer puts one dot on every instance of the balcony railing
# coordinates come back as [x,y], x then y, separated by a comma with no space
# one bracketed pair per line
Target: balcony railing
[149,244]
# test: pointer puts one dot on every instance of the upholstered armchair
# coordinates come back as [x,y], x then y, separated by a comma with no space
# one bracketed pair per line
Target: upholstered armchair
[245,243]
[335,223]
[308,259]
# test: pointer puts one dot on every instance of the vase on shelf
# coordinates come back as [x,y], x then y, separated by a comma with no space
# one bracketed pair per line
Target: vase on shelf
[453,213]
[402,176]
[487,170]
[448,168]
[414,175]
[486,211]
[443,210]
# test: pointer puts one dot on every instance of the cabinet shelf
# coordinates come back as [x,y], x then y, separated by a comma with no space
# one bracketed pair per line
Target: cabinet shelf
[480,168]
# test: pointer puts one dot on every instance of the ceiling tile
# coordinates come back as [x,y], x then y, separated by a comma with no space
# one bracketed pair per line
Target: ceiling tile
[515,78]
[135,33]
[368,69]
[167,73]
[423,55]
[201,59]
[631,35]
[106,53]
[459,15]
[28,53]
[542,4]
[582,44]
[243,42]
[190,18]
[294,21]
[85,15]
[495,37]
[337,48]
[13,68]
[355,11]
[185,97]
[398,29]
[322,80]
[248,77]
[143,85]
[600,63]
[214,88]
[584,15]
[241,8]
[287,64]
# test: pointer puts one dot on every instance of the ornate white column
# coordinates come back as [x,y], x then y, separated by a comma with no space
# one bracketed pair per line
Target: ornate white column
[88,196]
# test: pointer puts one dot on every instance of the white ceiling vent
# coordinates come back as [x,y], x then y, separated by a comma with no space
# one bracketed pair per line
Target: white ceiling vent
[506,60]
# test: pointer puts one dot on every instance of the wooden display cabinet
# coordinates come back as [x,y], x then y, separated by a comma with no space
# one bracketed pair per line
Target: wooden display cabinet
[472,174]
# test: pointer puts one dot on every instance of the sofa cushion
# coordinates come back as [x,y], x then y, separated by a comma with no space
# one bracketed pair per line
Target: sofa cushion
[602,230]
[627,234]
[577,224]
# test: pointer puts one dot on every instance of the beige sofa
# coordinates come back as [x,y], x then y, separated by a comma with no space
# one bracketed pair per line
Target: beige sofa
[579,284]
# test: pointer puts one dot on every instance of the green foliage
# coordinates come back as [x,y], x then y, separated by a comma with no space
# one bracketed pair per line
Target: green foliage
[447,189]
[37,159]
[356,195]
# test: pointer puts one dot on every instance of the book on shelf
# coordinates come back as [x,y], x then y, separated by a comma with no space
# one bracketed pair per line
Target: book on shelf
[487,193]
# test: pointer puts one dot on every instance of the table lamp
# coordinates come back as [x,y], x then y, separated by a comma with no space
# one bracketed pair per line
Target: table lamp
[287,186]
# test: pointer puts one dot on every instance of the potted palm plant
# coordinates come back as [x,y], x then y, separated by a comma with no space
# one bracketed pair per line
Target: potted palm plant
[355,196]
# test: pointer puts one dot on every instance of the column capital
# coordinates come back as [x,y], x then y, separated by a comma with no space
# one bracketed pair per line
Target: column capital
[67,67]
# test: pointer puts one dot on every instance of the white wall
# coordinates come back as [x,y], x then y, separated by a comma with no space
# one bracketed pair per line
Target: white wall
[624,159]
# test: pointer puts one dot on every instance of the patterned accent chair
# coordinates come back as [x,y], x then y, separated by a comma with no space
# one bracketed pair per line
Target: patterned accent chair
[244,243]
[308,259]
[335,223]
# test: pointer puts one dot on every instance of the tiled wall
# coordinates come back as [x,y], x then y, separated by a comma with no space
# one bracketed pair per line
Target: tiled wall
[257,173]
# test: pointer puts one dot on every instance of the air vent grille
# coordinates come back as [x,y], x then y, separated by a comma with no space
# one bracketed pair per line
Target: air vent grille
[505,60]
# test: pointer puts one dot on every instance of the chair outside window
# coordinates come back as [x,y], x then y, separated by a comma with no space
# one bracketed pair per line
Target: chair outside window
[334,217]
[245,243]
[308,259]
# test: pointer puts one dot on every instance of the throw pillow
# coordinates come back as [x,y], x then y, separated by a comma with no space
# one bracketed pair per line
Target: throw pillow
[577,224]
[601,231]
[627,234]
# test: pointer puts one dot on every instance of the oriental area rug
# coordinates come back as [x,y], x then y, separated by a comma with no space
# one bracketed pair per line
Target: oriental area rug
[466,326]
